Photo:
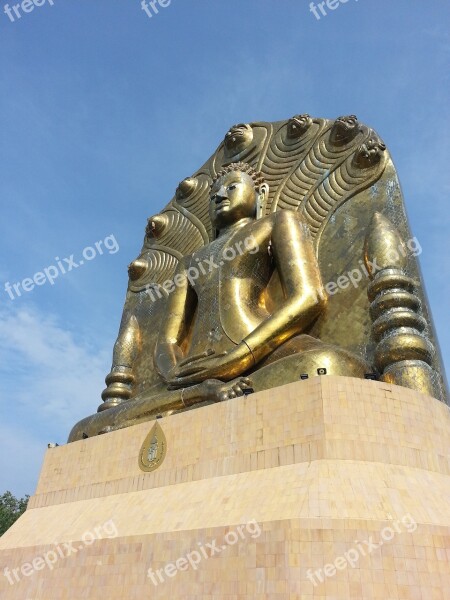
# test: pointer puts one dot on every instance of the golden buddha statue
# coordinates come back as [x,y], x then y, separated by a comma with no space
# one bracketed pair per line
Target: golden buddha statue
[272,263]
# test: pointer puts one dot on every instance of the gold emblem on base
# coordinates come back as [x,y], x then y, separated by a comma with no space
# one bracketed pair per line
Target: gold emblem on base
[153,450]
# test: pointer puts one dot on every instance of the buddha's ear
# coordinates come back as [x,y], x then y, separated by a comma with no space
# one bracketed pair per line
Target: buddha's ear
[263,194]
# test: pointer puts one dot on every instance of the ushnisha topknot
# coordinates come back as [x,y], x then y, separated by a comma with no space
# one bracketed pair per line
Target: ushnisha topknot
[243,167]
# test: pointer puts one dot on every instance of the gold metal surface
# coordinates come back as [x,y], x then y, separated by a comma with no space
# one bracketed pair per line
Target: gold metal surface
[403,354]
[287,252]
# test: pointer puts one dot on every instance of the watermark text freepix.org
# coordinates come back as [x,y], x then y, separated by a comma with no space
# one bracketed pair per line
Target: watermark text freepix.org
[151,7]
[62,551]
[16,11]
[63,266]
[352,556]
[355,276]
[194,558]
[205,266]
[320,10]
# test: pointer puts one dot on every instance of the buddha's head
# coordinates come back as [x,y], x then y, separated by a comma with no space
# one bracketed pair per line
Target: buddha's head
[236,193]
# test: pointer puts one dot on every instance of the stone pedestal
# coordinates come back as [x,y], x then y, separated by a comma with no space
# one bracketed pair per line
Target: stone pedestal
[331,488]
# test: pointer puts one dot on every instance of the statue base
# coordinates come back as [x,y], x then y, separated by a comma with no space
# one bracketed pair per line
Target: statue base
[331,487]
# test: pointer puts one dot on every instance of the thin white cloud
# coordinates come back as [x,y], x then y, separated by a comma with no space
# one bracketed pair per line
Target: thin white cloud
[46,370]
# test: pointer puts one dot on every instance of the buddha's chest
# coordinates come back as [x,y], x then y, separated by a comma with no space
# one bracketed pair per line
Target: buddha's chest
[207,266]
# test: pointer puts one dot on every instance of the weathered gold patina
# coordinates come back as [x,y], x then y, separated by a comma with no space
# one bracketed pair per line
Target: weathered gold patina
[287,252]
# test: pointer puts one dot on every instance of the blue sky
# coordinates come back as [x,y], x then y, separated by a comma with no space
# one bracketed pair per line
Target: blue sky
[103,110]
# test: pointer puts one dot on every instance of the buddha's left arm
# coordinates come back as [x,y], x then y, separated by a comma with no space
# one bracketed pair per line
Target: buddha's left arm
[300,278]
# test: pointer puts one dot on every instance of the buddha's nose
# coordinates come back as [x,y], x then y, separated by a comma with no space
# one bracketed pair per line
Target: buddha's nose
[221,194]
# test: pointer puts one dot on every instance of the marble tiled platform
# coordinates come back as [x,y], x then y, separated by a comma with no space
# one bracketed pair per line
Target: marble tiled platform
[310,471]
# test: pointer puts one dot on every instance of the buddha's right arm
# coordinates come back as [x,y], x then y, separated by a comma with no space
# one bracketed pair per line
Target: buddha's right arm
[178,315]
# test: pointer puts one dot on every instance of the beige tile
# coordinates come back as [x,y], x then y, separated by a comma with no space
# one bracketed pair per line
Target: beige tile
[324,467]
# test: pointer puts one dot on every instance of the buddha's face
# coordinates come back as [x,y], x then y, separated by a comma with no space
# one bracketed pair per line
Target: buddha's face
[233,197]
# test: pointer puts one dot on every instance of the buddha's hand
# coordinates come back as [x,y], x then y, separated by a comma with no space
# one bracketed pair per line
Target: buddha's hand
[219,391]
[226,366]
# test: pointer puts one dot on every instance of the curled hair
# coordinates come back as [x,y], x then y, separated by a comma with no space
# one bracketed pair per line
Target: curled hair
[257,176]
